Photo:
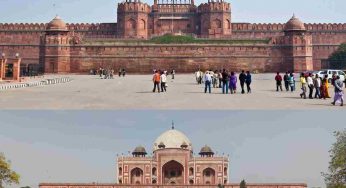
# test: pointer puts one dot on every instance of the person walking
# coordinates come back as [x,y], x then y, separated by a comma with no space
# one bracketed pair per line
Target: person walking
[291,81]
[310,83]
[216,79]
[233,83]
[120,72]
[198,75]
[286,80]
[278,79]
[164,81]
[225,81]
[325,88]
[156,80]
[303,86]
[207,82]
[317,84]
[248,81]
[124,72]
[339,92]
[173,74]
[242,78]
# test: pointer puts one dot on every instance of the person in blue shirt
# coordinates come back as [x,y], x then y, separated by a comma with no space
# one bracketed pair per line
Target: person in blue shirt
[248,81]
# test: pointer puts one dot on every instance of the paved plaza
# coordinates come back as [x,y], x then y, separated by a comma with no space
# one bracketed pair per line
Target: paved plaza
[135,92]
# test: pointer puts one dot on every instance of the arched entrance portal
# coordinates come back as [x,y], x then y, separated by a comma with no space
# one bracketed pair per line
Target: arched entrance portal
[209,176]
[137,176]
[173,173]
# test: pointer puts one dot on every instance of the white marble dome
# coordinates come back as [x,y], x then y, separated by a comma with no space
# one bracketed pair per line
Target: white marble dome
[172,139]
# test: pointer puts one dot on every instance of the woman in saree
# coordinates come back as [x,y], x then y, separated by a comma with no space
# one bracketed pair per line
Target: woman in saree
[325,88]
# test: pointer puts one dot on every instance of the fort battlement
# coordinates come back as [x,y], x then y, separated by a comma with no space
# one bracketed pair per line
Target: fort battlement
[214,7]
[130,6]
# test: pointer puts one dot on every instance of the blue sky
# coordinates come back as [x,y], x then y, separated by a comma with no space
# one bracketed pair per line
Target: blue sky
[268,11]
[264,146]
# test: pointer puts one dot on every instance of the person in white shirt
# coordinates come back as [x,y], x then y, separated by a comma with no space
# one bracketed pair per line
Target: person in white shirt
[310,83]
[164,82]
[207,80]
[317,84]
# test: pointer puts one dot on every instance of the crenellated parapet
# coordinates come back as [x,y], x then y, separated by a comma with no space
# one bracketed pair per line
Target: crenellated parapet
[214,6]
[133,6]
[22,26]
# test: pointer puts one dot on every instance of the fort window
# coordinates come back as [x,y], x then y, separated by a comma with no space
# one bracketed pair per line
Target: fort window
[120,171]
[191,182]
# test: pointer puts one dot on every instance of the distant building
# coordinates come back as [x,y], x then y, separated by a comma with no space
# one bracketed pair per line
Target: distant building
[57,47]
[173,165]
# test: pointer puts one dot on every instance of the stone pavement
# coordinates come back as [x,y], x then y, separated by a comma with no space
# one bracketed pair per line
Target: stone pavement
[135,92]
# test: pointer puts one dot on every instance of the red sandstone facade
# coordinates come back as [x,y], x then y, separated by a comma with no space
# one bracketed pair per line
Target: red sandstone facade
[173,165]
[57,47]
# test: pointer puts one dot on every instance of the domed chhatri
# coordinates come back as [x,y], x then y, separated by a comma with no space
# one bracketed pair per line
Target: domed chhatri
[172,139]
[295,24]
[206,151]
[139,151]
[57,24]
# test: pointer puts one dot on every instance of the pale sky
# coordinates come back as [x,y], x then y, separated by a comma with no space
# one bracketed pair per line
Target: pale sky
[91,11]
[73,146]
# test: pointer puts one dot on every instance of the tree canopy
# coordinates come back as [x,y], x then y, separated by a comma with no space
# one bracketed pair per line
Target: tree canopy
[336,177]
[243,184]
[337,60]
[7,176]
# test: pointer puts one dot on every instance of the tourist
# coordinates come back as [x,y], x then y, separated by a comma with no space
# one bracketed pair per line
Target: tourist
[248,81]
[207,81]
[198,75]
[303,86]
[112,74]
[216,79]
[317,84]
[100,72]
[286,80]
[164,81]
[278,79]
[291,81]
[124,72]
[225,81]
[242,78]
[233,83]
[310,83]
[325,88]
[173,74]
[120,72]
[338,89]
[156,80]
[220,78]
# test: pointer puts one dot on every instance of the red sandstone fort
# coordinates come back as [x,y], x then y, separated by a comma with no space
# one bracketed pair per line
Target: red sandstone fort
[172,165]
[57,47]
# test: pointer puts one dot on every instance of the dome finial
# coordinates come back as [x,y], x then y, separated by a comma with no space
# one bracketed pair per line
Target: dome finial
[173,125]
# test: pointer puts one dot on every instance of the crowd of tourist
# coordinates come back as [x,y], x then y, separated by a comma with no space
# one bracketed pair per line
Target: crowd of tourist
[107,73]
[313,86]
[225,80]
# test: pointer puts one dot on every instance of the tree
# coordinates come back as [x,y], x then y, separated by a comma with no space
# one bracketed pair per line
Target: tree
[337,60]
[243,184]
[7,176]
[336,178]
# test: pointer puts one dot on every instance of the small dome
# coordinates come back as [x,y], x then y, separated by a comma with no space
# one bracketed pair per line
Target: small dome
[206,150]
[172,139]
[139,150]
[294,24]
[57,24]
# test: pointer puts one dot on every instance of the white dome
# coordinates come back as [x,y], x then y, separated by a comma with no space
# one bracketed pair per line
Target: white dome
[172,139]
